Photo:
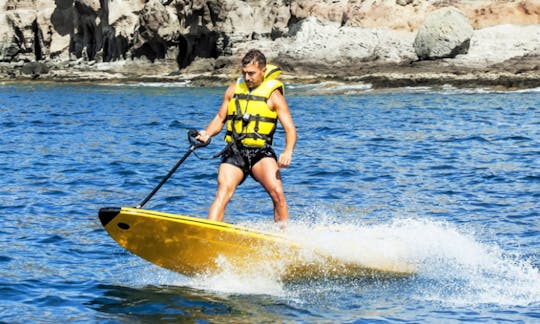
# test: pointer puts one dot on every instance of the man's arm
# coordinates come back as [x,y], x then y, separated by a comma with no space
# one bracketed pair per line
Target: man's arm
[278,103]
[215,126]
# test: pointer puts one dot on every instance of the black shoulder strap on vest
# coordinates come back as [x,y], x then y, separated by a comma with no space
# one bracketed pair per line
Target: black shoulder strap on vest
[244,96]
[237,104]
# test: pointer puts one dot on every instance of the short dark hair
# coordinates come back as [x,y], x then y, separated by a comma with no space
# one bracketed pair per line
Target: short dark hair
[253,56]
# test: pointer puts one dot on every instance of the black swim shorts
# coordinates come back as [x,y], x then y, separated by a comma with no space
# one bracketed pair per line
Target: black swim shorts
[246,157]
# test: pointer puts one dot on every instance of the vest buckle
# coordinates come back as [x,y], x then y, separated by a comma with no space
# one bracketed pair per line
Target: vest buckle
[246,118]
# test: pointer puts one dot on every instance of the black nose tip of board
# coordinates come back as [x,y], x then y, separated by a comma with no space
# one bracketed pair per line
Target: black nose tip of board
[107,214]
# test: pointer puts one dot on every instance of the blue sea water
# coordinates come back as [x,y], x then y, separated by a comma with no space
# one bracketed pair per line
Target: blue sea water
[447,180]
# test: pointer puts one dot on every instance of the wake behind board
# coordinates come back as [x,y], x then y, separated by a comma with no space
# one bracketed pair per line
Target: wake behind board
[193,246]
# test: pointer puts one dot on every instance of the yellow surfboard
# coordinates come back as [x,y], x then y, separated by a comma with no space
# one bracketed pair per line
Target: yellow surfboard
[195,246]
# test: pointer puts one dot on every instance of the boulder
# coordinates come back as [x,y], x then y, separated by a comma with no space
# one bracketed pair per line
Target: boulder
[445,33]
[201,65]
[35,69]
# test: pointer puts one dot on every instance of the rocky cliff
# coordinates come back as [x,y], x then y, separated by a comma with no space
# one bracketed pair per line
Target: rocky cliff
[385,42]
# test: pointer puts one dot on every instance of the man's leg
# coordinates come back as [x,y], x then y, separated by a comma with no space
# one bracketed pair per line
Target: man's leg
[266,171]
[229,177]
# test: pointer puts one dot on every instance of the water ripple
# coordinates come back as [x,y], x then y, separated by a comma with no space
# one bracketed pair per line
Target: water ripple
[451,178]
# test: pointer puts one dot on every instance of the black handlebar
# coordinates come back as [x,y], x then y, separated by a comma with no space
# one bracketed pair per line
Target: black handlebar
[192,134]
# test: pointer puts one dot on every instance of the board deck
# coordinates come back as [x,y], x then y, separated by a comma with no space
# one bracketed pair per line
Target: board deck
[194,246]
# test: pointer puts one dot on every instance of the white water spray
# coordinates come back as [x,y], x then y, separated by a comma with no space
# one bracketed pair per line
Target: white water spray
[450,266]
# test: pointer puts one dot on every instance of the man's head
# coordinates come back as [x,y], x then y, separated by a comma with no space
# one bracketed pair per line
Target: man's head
[253,68]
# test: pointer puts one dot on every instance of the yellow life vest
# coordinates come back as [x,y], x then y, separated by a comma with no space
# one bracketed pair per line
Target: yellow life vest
[249,119]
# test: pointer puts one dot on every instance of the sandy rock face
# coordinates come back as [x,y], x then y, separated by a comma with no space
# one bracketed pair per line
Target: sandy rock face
[328,35]
[498,44]
[445,33]
[115,30]
[325,45]
[409,15]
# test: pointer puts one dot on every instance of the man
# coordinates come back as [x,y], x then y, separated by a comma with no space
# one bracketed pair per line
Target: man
[251,109]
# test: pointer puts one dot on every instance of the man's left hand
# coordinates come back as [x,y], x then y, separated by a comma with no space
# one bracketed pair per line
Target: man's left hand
[285,159]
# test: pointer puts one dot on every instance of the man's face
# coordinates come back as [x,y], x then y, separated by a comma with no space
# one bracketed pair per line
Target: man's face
[253,74]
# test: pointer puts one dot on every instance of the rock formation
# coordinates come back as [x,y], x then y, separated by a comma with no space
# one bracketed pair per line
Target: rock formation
[189,39]
[445,34]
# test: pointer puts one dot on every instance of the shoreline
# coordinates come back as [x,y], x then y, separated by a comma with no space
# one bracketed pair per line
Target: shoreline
[515,74]
[482,44]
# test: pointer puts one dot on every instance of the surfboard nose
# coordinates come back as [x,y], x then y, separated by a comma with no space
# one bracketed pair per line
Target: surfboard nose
[107,214]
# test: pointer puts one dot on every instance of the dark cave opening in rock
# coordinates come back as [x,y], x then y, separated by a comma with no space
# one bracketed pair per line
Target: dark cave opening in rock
[90,40]
[114,47]
[192,46]
[37,41]
[183,58]
[153,49]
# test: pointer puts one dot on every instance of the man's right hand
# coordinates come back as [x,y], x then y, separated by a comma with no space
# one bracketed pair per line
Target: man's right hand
[203,136]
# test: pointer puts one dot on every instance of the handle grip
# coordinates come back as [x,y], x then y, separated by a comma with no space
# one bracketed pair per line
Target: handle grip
[192,134]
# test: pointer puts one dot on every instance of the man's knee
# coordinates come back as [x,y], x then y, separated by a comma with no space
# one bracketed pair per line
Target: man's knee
[226,190]
[277,194]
